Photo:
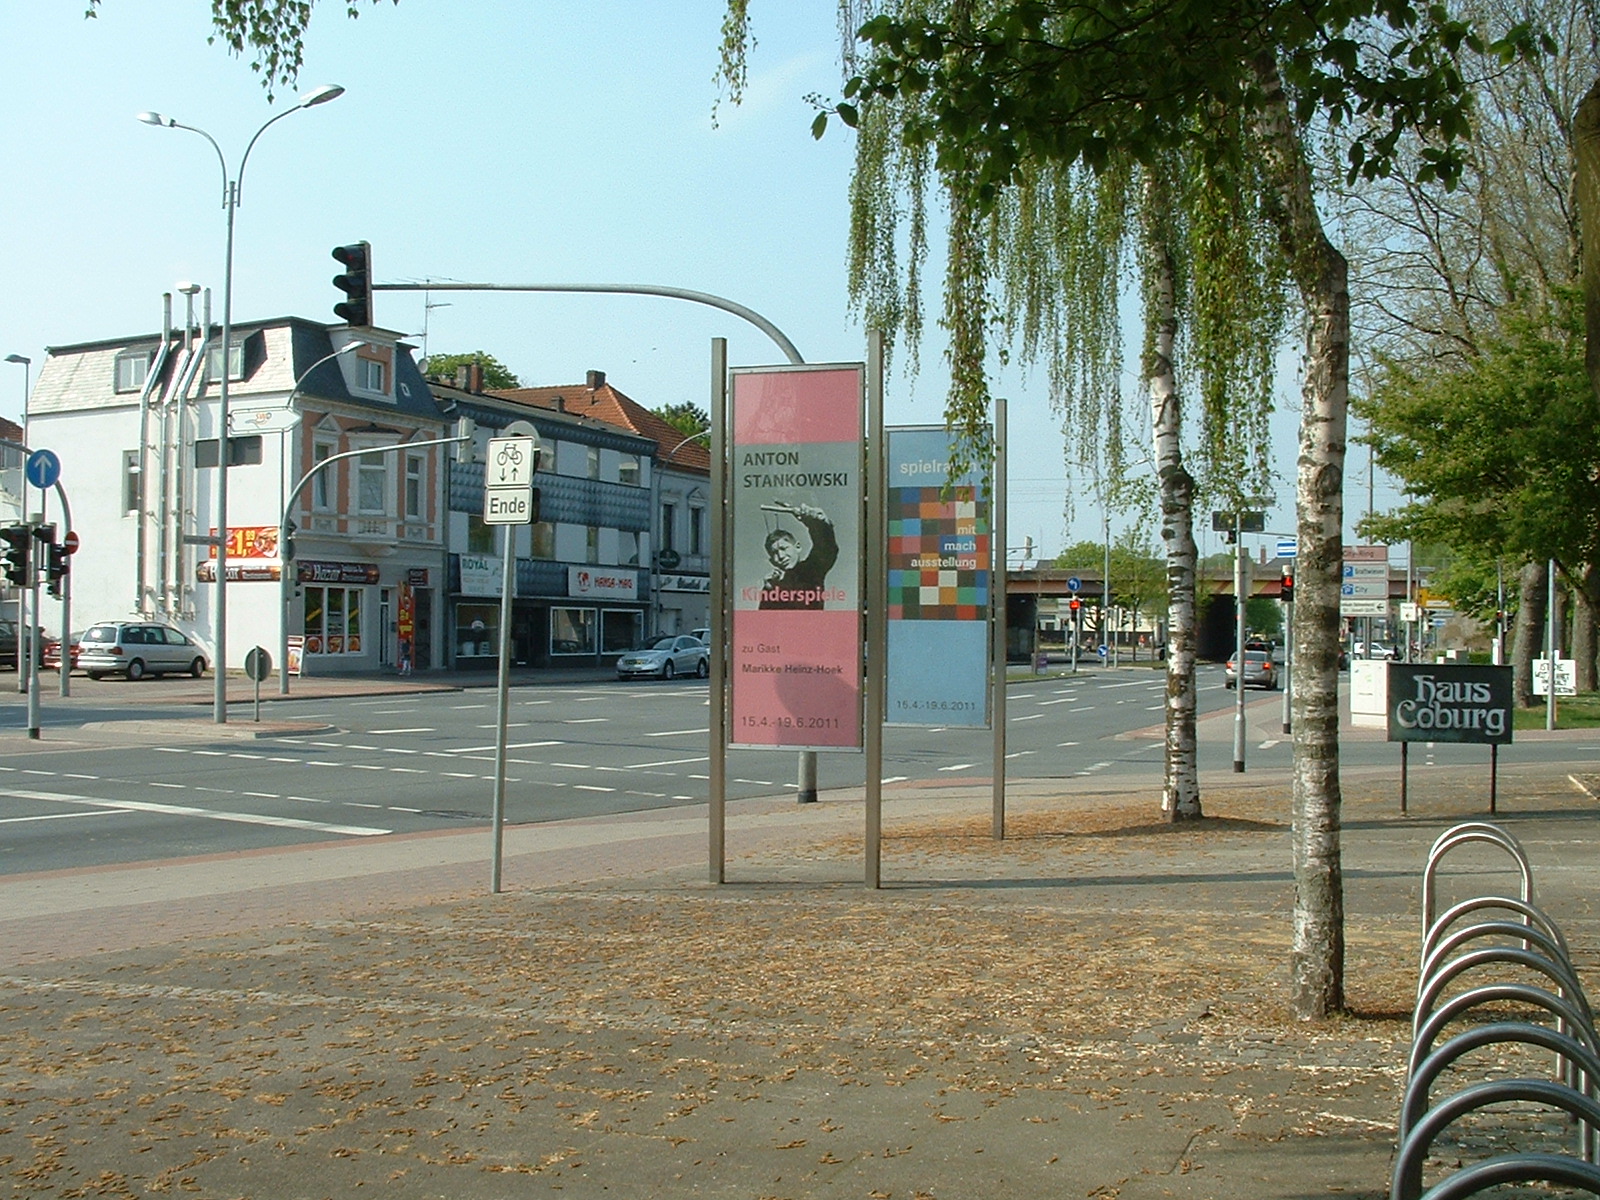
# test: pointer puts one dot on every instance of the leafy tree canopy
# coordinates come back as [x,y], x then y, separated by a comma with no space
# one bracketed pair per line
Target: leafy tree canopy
[1490,451]
[496,375]
[688,418]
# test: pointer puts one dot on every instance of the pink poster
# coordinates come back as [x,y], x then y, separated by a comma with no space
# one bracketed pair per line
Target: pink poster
[796,490]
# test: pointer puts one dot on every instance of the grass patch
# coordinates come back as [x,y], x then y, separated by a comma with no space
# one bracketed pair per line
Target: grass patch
[1572,712]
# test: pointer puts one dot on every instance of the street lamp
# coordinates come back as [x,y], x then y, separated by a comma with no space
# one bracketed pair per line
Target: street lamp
[285,533]
[231,195]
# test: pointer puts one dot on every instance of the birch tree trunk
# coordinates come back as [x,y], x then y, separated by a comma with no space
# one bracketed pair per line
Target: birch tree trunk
[1180,792]
[1322,275]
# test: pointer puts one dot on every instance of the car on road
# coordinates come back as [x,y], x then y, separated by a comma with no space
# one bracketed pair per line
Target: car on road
[1259,670]
[137,649]
[703,634]
[670,655]
[8,644]
[1379,650]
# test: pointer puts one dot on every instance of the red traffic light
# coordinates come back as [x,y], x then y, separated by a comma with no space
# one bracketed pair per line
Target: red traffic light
[1286,586]
[355,283]
[1074,604]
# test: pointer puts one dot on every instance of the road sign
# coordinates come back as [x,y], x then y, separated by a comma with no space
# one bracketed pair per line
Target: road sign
[262,420]
[1366,554]
[1074,584]
[1288,547]
[1566,677]
[1362,606]
[508,480]
[1100,650]
[44,468]
[257,664]
[70,542]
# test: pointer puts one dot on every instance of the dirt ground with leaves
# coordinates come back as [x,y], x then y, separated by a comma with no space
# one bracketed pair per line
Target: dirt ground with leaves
[1095,1006]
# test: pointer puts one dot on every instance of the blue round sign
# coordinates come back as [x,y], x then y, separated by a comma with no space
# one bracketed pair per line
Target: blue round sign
[44,468]
[1101,651]
[1074,584]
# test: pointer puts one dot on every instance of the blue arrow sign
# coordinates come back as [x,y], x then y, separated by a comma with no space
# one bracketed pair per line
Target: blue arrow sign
[44,468]
[1074,584]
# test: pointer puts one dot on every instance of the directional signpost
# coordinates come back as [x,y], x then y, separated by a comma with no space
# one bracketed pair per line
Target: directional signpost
[508,480]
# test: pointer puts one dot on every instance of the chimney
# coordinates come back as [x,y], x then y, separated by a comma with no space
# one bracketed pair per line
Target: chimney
[475,377]
[461,377]
[561,404]
[596,380]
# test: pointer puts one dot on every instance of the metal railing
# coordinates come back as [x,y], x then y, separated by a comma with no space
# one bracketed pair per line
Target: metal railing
[1532,943]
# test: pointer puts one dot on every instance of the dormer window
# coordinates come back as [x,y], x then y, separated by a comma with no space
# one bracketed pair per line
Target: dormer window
[235,361]
[371,375]
[131,369]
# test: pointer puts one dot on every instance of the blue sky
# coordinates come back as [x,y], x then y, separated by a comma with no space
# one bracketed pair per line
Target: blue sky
[478,141]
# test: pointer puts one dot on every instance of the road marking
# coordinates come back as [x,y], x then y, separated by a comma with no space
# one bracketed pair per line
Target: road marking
[408,771]
[183,810]
[1063,700]
[1064,745]
[671,762]
[1021,753]
[589,787]
[572,766]
[460,775]
[397,808]
[1269,743]
[585,720]
[1085,708]
[53,817]
[1029,717]
[677,732]
[958,767]
[415,729]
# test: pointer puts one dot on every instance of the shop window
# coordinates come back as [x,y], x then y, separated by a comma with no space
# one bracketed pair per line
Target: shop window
[333,620]
[572,631]
[477,630]
[621,630]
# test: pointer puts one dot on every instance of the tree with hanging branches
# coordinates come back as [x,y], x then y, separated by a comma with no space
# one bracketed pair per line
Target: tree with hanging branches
[989,97]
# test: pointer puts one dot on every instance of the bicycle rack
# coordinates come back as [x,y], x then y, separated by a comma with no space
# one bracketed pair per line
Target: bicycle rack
[1448,953]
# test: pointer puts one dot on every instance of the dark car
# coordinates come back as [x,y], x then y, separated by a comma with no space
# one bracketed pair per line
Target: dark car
[8,644]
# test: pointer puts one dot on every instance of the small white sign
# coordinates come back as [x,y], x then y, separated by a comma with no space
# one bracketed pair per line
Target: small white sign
[507,505]
[262,420]
[481,574]
[1288,547]
[511,462]
[1362,606]
[1566,677]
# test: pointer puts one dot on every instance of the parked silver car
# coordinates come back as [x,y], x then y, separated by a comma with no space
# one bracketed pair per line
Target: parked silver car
[137,649]
[668,656]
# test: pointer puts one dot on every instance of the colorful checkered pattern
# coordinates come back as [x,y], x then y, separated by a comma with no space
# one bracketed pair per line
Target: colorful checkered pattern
[938,554]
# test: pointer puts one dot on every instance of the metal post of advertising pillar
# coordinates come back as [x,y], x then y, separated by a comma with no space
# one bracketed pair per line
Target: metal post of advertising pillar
[877,591]
[721,596]
[1238,645]
[997,509]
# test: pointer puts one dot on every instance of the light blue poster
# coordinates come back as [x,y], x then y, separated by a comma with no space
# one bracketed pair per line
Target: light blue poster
[939,585]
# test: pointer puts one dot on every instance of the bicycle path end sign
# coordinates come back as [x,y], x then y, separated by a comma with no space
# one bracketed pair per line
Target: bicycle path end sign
[508,480]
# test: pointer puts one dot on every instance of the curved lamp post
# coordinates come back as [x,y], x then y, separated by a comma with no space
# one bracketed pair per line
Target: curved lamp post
[231,193]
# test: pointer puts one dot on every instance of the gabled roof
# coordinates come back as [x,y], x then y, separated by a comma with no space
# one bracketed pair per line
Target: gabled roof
[603,402]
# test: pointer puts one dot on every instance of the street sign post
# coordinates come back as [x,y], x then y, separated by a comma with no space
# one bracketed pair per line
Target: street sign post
[508,480]
[43,469]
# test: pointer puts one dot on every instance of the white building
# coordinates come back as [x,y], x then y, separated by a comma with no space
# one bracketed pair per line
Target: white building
[134,423]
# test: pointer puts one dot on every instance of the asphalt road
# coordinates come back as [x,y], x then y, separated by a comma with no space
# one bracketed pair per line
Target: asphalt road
[92,794]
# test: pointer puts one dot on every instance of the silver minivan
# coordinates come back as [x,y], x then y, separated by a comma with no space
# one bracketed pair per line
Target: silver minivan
[137,649]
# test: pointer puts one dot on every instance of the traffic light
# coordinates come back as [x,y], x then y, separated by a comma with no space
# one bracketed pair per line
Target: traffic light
[355,283]
[466,445]
[16,539]
[1074,604]
[58,565]
[286,545]
[1286,588]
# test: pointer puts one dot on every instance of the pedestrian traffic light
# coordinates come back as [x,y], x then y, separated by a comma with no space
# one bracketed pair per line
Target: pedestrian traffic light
[1286,588]
[355,283]
[1074,604]
[58,565]
[16,539]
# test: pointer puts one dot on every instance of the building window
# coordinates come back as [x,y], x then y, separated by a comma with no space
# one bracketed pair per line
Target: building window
[322,487]
[544,539]
[132,482]
[415,468]
[572,631]
[591,544]
[594,462]
[235,362]
[242,451]
[628,470]
[477,630]
[131,369]
[621,629]
[372,482]
[371,375]
[669,526]
[697,530]
[480,537]
[333,620]
[628,548]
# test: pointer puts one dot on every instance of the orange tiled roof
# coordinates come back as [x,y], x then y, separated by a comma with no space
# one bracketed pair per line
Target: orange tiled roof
[606,403]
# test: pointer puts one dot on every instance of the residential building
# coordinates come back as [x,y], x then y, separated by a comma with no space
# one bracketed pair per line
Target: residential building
[135,424]
[680,584]
[581,587]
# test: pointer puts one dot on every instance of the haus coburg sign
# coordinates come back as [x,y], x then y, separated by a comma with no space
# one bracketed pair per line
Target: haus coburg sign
[1438,702]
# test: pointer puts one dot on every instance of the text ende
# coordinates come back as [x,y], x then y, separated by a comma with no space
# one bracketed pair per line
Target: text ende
[508,507]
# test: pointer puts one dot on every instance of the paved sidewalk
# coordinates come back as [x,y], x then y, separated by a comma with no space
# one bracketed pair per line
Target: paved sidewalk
[1093,1007]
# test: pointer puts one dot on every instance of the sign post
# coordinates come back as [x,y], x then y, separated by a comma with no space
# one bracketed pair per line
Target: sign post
[508,499]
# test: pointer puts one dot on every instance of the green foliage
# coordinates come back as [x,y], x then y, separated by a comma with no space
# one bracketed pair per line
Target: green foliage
[496,375]
[688,418]
[1495,451]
